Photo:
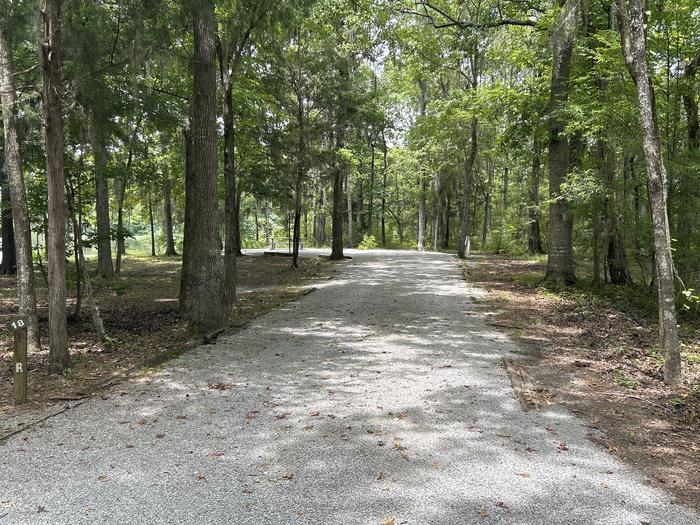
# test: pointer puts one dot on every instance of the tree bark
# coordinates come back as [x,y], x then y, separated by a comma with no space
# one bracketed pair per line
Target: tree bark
[151,222]
[205,298]
[230,190]
[59,356]
[8,266]
[615,253]
[348,195]
[632,31]
[121,184]
[26,295]
[104,237]
[301,173]
[560,261]
[534,237]
[370,204]
[82,271]
[470,160]
[385,171]
[337,241]
[487,204]
[167,204]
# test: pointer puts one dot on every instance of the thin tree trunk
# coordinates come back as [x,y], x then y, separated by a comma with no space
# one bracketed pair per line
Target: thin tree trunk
[152,224]
[446,222]
[534,238]
[59,356]
[301,169]
[631,14]
[348,194]
[370,204]
[337,241]
[104,238]
[616,256]
[470,160]
[167,203]
[358,212]
[487,204]
[26,295]
[9,254]
[257,223]
[121,185]
[385,171]
[421,209]
[595,243]
[82,271]
[204,292]
[230,189]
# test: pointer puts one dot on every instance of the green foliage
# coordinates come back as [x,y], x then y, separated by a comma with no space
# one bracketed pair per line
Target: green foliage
[368,243]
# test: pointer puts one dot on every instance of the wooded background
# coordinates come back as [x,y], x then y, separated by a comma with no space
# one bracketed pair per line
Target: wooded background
[565,129]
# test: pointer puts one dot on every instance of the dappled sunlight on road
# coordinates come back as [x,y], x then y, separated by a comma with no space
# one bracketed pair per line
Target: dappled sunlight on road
[380,395]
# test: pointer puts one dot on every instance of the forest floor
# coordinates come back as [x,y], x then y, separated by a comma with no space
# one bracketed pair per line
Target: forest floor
[595,351]
[139,308]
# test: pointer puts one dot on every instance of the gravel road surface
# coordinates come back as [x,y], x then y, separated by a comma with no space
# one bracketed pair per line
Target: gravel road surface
[381,396]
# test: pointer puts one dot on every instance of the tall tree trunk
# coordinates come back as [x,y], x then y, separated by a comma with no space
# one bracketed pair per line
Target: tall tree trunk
[421,170]
[595,242]
[321,235]
[301,170]
[8,266]
[205,298]
[257,223]
[348,196]
[534,237]
[152,224]
[631,14]
[470,160]
[230,189]
[296,233]
[446,222]
[560,261]
[688,194]
[82,271]
[104,237]
[690,103]
[370,204]
[170,250]
[615,253]
[59,356]
[487,204]
[338,171]
[26,295]
[421,209]
[121,184]
[385,171]
[358,212]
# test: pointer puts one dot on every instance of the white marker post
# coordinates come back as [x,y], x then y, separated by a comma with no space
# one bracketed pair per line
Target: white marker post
[19,327]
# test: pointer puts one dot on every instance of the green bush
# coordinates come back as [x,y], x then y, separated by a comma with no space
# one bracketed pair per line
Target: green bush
[368,243]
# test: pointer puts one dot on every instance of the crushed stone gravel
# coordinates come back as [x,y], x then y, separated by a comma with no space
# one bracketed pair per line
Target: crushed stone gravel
[381,396]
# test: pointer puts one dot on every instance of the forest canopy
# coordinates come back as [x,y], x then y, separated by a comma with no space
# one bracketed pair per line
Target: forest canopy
[566,129]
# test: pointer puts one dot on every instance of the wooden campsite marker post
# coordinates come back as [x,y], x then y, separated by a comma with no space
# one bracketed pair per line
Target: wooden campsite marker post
[19,327]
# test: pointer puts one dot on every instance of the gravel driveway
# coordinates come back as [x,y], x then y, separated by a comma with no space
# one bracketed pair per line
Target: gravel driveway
[379,397]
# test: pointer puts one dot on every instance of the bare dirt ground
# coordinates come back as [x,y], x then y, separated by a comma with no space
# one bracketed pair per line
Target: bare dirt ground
[598,355]
[140,312]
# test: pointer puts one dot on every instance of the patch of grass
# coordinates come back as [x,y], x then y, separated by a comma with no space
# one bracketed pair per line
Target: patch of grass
[625,382]
[530,280]
[677,402]
[693,357]
[120,288]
